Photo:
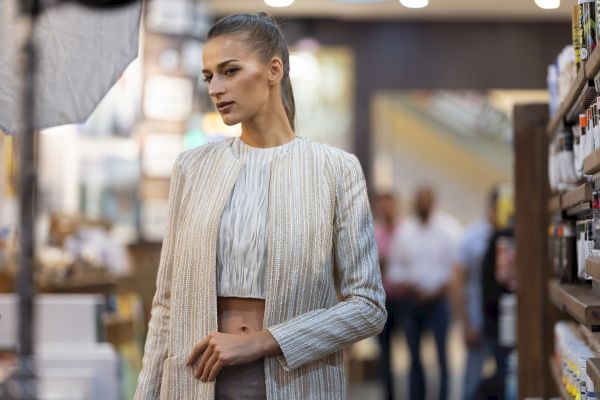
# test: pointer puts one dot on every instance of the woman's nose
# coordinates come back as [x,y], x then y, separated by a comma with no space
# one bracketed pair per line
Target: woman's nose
[215,88]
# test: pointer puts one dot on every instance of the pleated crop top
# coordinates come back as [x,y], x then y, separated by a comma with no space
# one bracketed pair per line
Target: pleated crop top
[242,241]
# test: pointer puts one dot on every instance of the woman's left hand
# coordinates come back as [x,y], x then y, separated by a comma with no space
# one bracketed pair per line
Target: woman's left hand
[219,350]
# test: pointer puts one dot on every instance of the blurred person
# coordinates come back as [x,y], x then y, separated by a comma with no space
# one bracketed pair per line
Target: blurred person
[387,224]
[421,263]
[498,278]
[263,232]
[472,250]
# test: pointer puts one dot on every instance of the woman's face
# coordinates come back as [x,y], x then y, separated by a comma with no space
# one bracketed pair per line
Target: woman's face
[238,81]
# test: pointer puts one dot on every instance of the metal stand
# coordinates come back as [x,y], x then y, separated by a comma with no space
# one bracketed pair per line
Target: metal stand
[22,383]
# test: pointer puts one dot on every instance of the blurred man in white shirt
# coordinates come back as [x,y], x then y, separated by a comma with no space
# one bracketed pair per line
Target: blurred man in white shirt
[421,263]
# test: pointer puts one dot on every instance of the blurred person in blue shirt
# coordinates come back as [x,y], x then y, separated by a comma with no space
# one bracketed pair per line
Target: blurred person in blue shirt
[469,297]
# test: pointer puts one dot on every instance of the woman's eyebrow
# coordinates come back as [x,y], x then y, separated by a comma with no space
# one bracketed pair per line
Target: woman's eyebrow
[220,65]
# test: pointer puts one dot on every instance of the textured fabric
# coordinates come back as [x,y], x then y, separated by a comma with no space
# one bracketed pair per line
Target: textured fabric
[242,382]
[320,244]
[242,242]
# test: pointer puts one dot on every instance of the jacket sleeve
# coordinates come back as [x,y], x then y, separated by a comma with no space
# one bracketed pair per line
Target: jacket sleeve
[361,313]
[155,350]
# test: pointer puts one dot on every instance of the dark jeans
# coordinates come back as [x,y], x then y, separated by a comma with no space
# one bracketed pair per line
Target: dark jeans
[493,387]
[420,317]
[394,309]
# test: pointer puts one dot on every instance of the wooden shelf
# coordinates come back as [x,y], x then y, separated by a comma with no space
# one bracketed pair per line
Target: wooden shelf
[578,301]
[555,294]
[119,330]
[85,283]
[592,339]
[558,381]
[593,371]
[592,267]
[592,67]
[567,106]
[577,196]
[586,97]
[591,164]
[580,211]
[555,204]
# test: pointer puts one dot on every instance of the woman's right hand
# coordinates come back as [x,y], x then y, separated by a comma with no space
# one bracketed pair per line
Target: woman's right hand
[219,350]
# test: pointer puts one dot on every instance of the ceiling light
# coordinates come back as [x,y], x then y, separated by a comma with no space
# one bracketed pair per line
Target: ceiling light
[278,3]
[414,3]
[359,1]
[548,4]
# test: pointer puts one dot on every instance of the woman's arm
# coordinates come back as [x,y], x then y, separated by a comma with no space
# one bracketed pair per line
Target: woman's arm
[361,314]
[155,350]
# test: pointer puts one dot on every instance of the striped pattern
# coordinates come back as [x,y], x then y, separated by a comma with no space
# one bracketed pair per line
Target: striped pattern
[323,287]
[242,242]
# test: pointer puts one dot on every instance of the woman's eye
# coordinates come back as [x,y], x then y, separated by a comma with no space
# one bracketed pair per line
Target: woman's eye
[231,71]
[207,78]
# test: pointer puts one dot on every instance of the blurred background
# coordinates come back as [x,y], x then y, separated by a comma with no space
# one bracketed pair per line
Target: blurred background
[423,96]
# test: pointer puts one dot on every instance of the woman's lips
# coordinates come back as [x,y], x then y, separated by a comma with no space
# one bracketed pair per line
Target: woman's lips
[224,106]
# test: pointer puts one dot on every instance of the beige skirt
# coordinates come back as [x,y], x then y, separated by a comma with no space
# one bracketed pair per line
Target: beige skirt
[242,382]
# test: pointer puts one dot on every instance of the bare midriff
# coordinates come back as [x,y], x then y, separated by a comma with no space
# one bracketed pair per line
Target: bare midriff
[240,315]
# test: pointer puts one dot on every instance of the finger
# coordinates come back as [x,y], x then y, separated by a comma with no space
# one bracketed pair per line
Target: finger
[209,366]
[197,351]
[215,370]
[205,357]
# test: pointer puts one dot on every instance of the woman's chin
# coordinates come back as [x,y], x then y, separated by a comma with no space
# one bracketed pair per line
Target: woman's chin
[229,120]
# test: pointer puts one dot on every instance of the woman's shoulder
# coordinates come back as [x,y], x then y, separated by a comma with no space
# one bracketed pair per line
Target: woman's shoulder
[338,157]
[189,158]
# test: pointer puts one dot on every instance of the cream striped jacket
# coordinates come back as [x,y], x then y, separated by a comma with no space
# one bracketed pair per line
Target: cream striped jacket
[322,284]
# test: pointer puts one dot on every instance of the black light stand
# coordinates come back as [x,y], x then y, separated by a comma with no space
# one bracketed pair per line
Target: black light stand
[22,383]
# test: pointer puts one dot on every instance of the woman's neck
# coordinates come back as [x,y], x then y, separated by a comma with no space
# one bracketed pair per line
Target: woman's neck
[270,127]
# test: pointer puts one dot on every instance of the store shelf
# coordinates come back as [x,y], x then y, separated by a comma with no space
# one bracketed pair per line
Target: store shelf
[85,283]
[586,97]
[555,204]
[591,338]
[119,330]
[580,211]
[555,293]
[577,196]
[593,371]
[592,267]
[578,301]
[592,67]
[567,106]
[591,164]
[558,381]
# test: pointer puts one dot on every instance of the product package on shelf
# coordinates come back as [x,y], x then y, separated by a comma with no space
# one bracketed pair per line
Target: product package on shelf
[585,246]
[561,76]
[586,136]
[562,244]
[570,147]
[562,162]
[587,17]
[571,355]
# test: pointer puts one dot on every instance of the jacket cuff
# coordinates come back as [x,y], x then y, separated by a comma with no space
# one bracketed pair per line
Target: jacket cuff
[288,360]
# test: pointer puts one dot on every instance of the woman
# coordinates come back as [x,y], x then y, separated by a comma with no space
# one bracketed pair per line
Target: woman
[265,232]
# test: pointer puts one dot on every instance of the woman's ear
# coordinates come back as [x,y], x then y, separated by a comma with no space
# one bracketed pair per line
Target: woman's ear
[276,71]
